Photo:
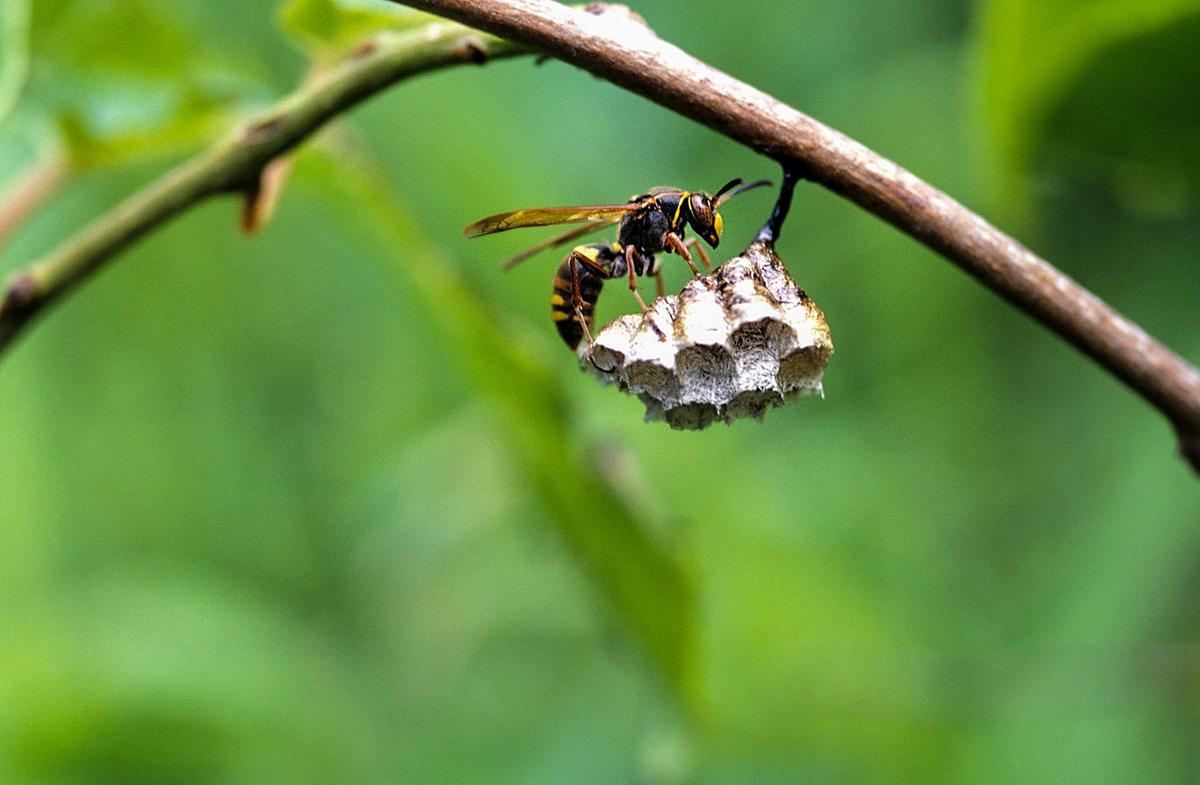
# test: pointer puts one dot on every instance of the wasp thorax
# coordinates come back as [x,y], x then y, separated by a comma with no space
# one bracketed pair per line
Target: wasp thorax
[732,344]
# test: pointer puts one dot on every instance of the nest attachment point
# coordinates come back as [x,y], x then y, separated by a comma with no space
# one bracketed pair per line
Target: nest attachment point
[731,345]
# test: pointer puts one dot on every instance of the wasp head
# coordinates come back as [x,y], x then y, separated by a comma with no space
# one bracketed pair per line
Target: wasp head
[704,219]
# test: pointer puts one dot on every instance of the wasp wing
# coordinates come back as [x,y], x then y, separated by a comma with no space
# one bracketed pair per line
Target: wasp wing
[548,216]
[558,239]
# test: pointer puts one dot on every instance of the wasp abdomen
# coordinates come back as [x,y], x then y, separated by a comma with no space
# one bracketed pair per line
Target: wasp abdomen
[567,282]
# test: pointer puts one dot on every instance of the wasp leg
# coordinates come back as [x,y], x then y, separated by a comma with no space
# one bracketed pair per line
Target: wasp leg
[587,334]
[594,266]
[658,283]
[705,262]
[674,244]
[630,251]
[577,301]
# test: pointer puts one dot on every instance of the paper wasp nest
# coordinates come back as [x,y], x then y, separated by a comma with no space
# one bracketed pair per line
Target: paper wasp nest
[732,344]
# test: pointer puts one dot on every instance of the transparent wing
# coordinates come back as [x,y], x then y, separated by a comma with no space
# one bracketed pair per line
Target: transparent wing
[558,239]
[548,216]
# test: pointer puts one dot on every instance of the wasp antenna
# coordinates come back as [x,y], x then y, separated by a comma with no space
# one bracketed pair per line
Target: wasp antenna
[750,186]
[722,199]
[734,183]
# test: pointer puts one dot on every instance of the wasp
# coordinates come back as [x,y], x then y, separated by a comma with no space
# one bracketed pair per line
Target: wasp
[649,224]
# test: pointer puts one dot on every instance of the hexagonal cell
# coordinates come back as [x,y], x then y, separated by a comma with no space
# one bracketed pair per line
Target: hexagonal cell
[733,344]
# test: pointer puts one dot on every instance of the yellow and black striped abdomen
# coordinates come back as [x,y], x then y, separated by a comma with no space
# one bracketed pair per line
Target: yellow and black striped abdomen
[566,282]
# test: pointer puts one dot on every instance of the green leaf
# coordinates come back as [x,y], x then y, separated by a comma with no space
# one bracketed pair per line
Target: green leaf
[130,79]
[324,25]
[645,581]
[125,36]
[147,120]
[1099,79]
[14,52]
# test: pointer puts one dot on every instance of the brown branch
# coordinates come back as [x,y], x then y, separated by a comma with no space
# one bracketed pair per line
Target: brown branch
[632,57]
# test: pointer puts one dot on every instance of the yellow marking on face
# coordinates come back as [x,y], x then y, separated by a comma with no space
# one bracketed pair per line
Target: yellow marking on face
[559,316]
[718,224]
[556,299]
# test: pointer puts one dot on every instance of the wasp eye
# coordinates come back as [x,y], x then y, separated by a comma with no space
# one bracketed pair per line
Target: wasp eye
[702,213]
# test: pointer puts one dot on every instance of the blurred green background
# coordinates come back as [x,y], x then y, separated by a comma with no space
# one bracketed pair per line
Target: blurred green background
[333,504]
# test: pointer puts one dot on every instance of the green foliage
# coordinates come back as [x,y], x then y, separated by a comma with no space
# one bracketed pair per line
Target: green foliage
[84,36]
[333,504]
[1111,81]
[14,52]
[325,25]
[124,81]
[643,579]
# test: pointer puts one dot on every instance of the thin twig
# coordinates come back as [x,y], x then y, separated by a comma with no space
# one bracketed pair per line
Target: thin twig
[236,164]
[632,57]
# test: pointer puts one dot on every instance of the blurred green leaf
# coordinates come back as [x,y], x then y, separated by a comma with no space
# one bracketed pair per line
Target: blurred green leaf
[645,580]
[202,692]
[276,510]
[14,52]
[1091,77]
[323,25]
[124,36]
[152,124]
[127,80]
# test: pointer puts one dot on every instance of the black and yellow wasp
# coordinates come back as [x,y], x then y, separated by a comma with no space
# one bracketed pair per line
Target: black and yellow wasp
[650,223]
